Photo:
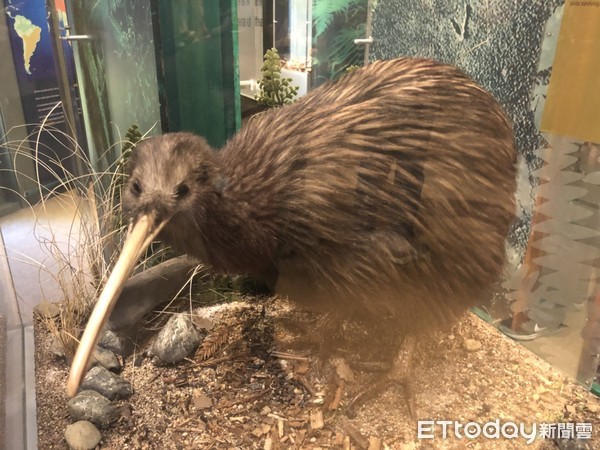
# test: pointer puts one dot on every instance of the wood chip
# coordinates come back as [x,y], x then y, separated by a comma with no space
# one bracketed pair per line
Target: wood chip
[374,443]
[202,402]
[347,445]
[262,430]
[268,443]
[247,399]
[339,439]
[290,356]
[343,370]
[337,398]
[305,384]
[360,440]
[203,322]
[300,437]
[316,419]
[302,368]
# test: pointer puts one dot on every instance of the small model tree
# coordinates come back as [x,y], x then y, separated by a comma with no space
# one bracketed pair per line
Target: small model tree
[275,91]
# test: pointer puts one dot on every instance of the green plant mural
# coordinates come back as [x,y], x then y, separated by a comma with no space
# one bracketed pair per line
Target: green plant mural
[336,23]
[275,91]
[132,137]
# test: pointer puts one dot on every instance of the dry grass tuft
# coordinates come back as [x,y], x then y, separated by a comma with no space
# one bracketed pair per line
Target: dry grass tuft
[85,256]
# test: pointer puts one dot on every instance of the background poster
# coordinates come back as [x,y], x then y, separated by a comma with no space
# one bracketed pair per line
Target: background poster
[573,103]
[33,57]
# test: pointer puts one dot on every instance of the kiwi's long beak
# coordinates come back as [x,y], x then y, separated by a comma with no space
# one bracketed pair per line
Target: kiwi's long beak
[140,235]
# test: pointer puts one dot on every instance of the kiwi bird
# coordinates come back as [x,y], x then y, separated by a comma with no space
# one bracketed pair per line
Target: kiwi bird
[389,192]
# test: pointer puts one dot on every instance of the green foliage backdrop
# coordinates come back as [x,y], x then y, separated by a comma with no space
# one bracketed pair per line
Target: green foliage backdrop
[336,23]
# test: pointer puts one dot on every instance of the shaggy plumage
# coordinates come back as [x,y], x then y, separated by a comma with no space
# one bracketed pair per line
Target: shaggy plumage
[389,193]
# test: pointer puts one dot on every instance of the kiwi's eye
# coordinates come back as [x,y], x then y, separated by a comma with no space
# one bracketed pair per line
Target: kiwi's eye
[182,190]
[135,187]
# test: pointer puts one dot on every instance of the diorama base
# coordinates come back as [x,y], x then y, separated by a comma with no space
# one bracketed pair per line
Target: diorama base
[229,398]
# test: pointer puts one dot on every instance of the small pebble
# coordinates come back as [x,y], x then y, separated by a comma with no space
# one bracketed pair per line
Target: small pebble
[82,435]
[471,345]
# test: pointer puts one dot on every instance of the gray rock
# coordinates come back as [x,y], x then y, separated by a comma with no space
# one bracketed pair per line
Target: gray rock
[91,406]
[82,435]
[106,359]
[56,347]
[47,310]
[145,290]
[116,342]
[106,383]
[178,339]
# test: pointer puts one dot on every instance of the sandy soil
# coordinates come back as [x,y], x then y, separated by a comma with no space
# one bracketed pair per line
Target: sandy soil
[233,394]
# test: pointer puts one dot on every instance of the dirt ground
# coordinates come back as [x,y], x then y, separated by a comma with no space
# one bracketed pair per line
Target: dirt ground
[235,394]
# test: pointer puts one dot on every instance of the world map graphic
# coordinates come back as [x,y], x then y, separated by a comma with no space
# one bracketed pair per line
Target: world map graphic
[30,34]
[30,37]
